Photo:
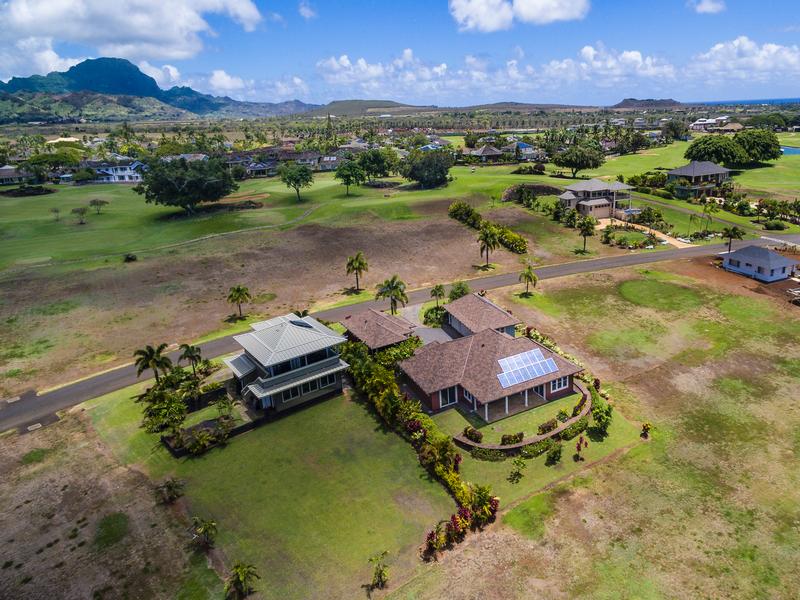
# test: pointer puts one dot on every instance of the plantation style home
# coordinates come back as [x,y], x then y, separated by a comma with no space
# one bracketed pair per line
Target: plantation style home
[287,361]
[759,263]
[487,371]
[377,330]
[595,198]
[697,177]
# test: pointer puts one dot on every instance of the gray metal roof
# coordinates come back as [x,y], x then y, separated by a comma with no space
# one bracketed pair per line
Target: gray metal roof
[567,196]
[590,185]
[263,388]
[618,186]
[595,202]
[283,338]
[240,365]
[762,257]
[698,169]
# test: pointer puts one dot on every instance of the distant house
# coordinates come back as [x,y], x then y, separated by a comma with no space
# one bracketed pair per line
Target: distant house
[12,176]
[473,313]
[121,170]
[189,157]
[287,361]
[262,169]
[309,158]
[378,330]
[759,263]
[329,162]
[594,197]
[702,176]
[487,153]
[489,373]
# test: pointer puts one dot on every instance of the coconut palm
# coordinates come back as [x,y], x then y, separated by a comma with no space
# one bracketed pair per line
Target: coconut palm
[152,358]
[528,277]
[357,265]
[239,583]
[437,293]
[732,233]
[709,208]
[586,227]
[192,354]
[393,290]
[489,240]
[237,295]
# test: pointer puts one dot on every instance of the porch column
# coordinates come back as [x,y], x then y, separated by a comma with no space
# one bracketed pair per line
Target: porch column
[486,412]
[506,404]
[474,404]
[526,397]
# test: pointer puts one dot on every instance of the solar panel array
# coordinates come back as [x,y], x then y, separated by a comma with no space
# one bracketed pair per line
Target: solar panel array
[524,367]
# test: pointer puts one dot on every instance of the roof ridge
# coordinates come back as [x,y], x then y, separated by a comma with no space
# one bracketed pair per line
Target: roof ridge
[467,356]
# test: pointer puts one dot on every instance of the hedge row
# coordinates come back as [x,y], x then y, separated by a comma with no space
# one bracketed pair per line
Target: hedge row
[463,212]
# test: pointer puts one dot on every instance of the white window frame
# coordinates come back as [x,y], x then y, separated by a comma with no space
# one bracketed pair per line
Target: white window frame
[559,384]
[469,396]
[294,392]
[444,392]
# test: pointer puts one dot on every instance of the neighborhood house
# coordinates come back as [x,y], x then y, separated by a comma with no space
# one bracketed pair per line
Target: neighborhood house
[595,198]
[697,177]
[473,313]
[377,330]
[759,263]
[287,361]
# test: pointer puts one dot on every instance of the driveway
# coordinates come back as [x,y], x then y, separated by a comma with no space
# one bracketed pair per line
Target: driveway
[426,334]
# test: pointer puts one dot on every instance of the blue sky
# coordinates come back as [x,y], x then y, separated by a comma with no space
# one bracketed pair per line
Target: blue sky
[427,52]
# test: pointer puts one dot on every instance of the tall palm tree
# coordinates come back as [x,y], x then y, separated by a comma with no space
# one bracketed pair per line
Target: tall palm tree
[239,294]
[586,227]
[437,293]
[357,265]
[732,233]
[393,290]
[489,240]
[192,354]
[152,358]
[709,209]
[528,277]
[239,583]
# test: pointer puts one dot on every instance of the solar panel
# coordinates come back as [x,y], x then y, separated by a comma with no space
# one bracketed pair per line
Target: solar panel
[524,367]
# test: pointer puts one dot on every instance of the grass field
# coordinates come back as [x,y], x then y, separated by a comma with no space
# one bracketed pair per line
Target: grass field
[307,499]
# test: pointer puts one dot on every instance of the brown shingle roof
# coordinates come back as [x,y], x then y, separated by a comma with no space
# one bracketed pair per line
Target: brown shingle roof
[471,362]
[478,313]
[377,329]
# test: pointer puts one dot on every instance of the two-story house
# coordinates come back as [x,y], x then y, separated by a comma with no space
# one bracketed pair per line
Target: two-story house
[594,197]
[287,361]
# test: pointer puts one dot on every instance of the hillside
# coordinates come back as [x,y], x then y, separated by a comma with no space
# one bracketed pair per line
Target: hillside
[645,104]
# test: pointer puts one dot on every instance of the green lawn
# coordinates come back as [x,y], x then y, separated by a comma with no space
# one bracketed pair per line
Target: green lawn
[307,499]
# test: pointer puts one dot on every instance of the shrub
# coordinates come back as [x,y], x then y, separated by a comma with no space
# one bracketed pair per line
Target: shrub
[473,434]
[547,426]
[553,454]
[601,412]
[512,438]
[512,241]
[392,355]
[576,410]
[537,449]
[775,225]
[646,427]
[130,257]
[459,290]
[433,316]
[210,387]
[488,454]
[562,416]
[577,427]
[463,212]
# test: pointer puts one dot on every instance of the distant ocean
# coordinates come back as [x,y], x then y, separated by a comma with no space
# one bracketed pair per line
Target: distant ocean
[768,101]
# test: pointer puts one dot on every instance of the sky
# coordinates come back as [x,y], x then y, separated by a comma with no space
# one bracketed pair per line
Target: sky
[455,53]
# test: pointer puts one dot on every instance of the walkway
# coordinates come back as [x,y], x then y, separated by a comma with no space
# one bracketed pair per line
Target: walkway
[603,223]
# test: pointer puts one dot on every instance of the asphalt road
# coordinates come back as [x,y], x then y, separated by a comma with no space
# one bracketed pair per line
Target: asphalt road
[31,409]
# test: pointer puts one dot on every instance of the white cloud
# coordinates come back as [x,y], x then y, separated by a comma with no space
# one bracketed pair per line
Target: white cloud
[744,59]
[290,88]
[707,7]
[496,15]
[166,76]
[223,83]
[32,55]
[306,10]
[606,68]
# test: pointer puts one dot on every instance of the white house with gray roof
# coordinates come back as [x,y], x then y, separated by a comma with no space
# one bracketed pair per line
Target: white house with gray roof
[594,197]
[759,263]
[287,361]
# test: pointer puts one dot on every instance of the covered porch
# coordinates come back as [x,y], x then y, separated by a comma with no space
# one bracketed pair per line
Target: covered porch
[510,405]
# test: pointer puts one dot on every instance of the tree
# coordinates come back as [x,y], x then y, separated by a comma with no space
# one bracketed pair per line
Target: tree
[205,531]
[153,358]
[357,265]
[528,277]
[185,183]
[380,572]
[458,290]
[429,169]
[97,204]
[718,149]
[191,354]
[578,158]
[437,293]
[732,233]
[164,410]
[470,139]
[586,227]
[709,208]
[601,413]
[56,213]
[374,163]
[350,173]
[81,212]
[759,144]
[674,130]
[239,583]
[489,240]
[237,295]
[296,176]
[393,290]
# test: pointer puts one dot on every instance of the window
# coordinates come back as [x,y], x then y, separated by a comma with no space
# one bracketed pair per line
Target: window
[760,269]
[448,396]
[310,386]
[290,394]
[733,262]
[469,396]
[559,384]
[327,380]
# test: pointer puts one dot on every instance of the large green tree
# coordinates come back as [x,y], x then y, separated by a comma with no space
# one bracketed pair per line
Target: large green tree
[185,183]
[393,290]
[429,169]
[718,149]
[375,163]
[759,144]
[296,176]
[579,157]
[350,173]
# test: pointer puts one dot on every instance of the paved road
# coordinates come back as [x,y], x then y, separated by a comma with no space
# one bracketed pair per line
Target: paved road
[32,408]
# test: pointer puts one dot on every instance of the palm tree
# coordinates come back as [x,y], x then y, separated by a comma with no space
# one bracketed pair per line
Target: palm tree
[709,208]
[693,218]
[393,290]
[357,265]
[205,530]
[437,293]
[489,240]
[239,583]
[528,277]
[192,354]
[152,358]
[732,233]
[586,227]
[238,294]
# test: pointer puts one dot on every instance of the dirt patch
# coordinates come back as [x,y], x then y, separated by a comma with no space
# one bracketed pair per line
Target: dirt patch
[75,523]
